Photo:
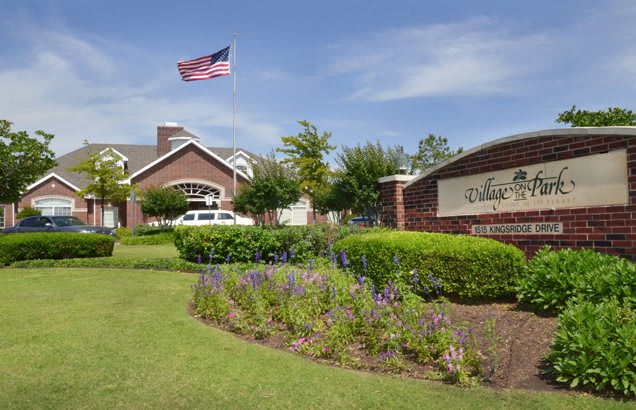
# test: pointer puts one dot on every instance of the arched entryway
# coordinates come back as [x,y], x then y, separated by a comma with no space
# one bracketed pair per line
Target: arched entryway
[197,192]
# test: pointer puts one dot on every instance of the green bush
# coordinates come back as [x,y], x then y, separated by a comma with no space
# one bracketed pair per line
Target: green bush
[158,239]
[554,278]
[241,242]
[53,245]
[123,232]
[169,264]
[26,212]
[595,346]
[469,267]
[314,240]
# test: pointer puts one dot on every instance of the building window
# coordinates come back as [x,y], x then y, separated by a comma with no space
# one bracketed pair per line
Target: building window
[198,192]
[54,206]
[2,212]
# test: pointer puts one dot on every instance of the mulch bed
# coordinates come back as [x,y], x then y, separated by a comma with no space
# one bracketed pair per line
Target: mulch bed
[512,340]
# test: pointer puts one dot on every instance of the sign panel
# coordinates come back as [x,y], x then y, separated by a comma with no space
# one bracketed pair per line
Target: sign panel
[595,180]
[536,228]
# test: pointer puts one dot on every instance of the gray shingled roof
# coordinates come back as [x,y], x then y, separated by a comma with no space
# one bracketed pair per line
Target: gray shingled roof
[138,157]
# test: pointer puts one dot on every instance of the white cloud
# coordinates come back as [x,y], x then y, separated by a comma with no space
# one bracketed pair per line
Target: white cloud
[476,57]
[79,89]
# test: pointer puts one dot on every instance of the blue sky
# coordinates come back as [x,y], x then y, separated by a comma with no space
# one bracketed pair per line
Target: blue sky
[472,71]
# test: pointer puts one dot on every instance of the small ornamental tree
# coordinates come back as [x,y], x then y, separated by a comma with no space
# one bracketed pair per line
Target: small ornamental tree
[165,203]
[272,188]
[357,180]
[106,177]
[612,117]
[23,160]
[306,152]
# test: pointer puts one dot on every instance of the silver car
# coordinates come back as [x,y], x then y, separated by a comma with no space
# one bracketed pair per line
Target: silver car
[56,224]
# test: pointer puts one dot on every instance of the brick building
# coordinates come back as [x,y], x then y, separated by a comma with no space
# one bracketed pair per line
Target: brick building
[178,159]
[567,188]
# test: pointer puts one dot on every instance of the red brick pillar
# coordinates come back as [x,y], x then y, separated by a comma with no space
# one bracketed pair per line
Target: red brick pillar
[391,195]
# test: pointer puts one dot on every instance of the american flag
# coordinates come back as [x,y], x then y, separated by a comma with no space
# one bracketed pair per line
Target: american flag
[204,68]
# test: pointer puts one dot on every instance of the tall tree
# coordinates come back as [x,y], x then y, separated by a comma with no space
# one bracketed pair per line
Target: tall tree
[360,168]
[431,151]
[306,152]
[165,203]
[612,117]
[23,160]
[272,188]
[106,177]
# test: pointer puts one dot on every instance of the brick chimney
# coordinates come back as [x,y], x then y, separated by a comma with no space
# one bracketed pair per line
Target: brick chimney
[165,131]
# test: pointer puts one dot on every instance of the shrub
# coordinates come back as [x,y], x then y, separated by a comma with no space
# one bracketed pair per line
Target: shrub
[553,278]
[123,232]
[53,245]
[170,264]
[595,346]
[215,243]
[26,212]
[469,267]
[241,242]
[314,240]
[158,239]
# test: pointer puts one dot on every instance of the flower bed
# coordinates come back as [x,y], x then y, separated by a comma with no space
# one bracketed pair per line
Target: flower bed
[324,313]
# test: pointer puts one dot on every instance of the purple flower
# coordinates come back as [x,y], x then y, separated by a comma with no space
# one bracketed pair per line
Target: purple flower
[364,264]
[227,258]
[311,264]
[199,259]
[343,256]
[211,254]
[258,256]
[415,277]
[396,260]
[275,258]
[284,257]
[292,253]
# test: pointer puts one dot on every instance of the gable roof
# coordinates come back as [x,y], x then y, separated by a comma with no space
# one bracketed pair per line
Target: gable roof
[179,148]
[139,157]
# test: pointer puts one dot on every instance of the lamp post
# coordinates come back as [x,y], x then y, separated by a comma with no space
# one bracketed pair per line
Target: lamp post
[402,161]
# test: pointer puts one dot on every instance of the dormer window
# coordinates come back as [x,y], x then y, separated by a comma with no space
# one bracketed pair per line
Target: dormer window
[112,154]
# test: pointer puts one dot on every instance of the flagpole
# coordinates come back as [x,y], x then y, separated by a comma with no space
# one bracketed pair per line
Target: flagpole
[234,128]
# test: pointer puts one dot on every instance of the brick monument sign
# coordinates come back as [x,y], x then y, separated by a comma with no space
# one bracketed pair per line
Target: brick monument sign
[567,188]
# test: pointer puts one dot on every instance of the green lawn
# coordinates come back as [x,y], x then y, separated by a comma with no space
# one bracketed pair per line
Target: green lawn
[145,251]
[104,338]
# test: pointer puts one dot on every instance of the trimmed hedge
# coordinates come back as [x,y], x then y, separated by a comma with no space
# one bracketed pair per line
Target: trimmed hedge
[168,264]
[156,239]
[554,278]
[53,245]
[241,242]
[469,267]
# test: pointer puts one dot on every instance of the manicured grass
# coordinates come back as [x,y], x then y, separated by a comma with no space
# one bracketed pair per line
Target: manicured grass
[145,251]
[104,338]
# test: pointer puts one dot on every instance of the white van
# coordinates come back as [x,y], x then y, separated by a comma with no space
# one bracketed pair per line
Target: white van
[216,217]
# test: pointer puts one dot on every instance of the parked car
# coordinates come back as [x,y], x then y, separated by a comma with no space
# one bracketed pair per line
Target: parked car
[57,224]
[216,217]
[362,221]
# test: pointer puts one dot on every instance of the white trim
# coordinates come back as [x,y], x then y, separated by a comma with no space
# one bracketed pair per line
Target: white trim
[240,152]
[220,188]
[122,156]
[556,132]
[179,148]
[49,176]
[397,178]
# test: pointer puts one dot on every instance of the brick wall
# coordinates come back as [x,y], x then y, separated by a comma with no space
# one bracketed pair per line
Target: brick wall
[53,187]
[610,229]
[188,164]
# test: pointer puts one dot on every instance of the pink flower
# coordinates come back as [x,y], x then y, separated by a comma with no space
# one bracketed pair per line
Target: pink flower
[301,340]
[231,315]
